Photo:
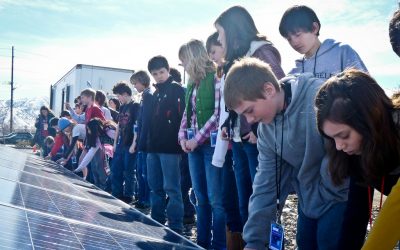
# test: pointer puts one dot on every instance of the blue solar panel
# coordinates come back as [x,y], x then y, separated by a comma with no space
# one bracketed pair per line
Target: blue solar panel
[43,205]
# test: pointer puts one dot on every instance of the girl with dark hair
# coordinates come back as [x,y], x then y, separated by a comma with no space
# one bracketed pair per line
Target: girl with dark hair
[101,101]
[99,136]
[234,226]
[216,52]
[42,125]
[239,37]
[362,128]
[114,105]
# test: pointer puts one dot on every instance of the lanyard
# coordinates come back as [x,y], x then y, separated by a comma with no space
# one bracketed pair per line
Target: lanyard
[315,61]
[370,200]
[278,171]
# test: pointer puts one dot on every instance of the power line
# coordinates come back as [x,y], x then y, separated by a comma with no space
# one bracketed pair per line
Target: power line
[32,53]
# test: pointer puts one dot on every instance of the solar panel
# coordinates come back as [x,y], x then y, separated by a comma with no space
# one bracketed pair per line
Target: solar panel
[43,205]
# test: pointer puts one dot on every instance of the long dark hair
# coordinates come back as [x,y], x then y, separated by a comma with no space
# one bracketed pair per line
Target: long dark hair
[240,31]
[354,98]
[97,128]
[117,103]
[49,112]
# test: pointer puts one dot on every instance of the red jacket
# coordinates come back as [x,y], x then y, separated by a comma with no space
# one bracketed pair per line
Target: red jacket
[59,141]
[93,112]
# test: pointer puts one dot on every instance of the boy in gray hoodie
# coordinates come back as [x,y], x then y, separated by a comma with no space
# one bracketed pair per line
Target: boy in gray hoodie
[300,26]
[291,155]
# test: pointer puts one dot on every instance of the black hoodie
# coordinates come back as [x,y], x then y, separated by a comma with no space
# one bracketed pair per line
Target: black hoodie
[168,104]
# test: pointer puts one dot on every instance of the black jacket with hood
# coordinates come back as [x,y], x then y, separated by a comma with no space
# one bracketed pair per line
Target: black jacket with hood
[168,105]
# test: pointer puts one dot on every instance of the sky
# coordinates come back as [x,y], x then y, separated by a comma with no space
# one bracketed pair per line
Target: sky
[52,36]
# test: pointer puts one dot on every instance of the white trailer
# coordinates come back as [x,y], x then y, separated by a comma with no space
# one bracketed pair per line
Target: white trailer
[84,76]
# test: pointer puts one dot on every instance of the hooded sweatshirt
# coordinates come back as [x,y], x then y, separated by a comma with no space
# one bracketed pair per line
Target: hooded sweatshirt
[331,58]
[304,168]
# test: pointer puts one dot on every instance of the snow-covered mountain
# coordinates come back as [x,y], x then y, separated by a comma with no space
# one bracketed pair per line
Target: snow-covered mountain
[25,112]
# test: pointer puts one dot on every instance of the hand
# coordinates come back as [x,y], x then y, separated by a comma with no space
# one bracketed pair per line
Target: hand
[67,106]
[224,134]
[80,169]
[191,144]
[47,157]
[183,146]
[251,138]
[60,160]
[132,148]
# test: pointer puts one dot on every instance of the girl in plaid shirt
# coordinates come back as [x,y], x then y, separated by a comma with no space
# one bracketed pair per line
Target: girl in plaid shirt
[197,137]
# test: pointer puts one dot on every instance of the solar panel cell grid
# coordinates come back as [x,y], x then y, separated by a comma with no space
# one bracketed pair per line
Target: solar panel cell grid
[43,205]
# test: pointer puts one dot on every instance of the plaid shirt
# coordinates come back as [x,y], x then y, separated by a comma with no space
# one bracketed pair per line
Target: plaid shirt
[203,133]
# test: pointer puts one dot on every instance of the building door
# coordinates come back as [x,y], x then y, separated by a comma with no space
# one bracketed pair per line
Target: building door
[68,94]
[62,99]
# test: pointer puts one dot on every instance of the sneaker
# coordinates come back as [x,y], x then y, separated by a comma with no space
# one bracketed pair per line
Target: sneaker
[141,205]
[127,200]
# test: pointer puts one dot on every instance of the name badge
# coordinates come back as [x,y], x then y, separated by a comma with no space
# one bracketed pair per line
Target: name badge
[276,237]
[190,133]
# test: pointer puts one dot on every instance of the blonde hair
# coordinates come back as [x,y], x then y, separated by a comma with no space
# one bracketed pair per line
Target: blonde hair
[197,59]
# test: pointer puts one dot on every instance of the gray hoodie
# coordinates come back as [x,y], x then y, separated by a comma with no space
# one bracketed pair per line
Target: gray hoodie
[332,57]
[304,168]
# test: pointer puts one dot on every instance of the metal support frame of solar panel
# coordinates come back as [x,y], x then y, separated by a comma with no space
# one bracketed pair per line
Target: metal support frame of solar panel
[89,218]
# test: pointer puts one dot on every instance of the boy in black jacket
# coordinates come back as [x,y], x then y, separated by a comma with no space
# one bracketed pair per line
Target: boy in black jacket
[163,149]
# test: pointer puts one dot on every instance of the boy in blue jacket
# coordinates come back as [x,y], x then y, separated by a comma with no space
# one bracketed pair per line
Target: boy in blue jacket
[141,81]
[292,155]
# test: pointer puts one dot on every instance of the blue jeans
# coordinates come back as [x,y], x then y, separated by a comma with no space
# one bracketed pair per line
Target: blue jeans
[206,181]
[164,178]
[97,169]
[186,185]
[143,186]
[245,158]
[322,233]
[123,171]
[230,196]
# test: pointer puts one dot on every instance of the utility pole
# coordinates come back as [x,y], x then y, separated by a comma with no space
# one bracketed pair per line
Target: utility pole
[12,89]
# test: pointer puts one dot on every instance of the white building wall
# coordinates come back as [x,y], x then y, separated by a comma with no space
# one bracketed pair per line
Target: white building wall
[99,77]
[103,79]
[62,84]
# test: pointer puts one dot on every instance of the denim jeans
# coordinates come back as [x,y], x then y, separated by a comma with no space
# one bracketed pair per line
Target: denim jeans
[123,172]
[245,160]
[322,233]
[141,176]
[230,196]
[186,185]
[164,178]
[206,181]
[97,166]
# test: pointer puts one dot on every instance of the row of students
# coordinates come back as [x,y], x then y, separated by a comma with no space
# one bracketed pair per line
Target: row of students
[275,112]
[351,112]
